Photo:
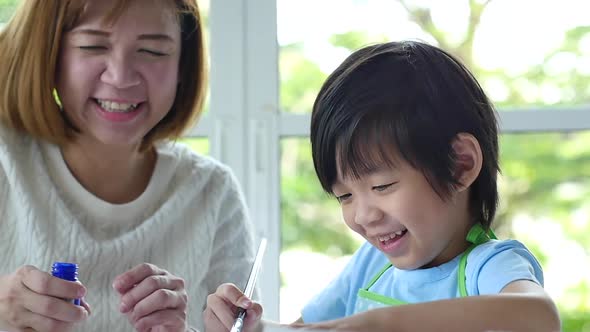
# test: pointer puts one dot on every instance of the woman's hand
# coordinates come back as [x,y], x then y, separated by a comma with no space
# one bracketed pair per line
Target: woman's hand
[222,309]
[33,300]
[153,299]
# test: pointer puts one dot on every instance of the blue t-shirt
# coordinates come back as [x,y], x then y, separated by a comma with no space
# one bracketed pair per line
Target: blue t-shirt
[490,267]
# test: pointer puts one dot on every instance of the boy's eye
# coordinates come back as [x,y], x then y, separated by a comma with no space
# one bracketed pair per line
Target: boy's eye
[383,186]
[152,52]
[343,198]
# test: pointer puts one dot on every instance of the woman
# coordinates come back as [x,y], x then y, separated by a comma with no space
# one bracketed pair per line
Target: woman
[92,96]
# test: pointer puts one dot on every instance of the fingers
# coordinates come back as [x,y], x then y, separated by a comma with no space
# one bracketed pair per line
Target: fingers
[44,295]
[54,308]
[212,322]
[160,300]
[173,318]
[222,307]
[129,279]
[221,321]
[253,314]
[151,296]
[34,322]
[35,300]
[232,294]
[148,286]
[43,283]
[220,312]
[86,306]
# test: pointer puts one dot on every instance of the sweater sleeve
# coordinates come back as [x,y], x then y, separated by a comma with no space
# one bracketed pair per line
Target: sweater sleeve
[232,254]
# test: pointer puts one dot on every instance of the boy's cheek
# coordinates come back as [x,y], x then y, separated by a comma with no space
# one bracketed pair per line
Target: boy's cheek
[355,227]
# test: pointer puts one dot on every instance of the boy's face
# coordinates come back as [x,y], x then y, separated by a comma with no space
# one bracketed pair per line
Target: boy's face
[397,211]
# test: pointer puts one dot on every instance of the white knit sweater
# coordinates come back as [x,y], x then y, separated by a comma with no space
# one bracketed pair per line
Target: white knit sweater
[197,228]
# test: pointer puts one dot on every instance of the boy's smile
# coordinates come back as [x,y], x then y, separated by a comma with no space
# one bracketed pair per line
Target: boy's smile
[390,242]
[397,211]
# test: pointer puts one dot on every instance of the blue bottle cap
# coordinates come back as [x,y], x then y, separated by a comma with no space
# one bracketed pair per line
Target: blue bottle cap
[66,271]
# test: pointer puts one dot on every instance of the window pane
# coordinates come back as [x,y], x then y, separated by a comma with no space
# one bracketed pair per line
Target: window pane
[197,144]
[498,40]
[313,233]
[204,7]
[6,9]
[544,203]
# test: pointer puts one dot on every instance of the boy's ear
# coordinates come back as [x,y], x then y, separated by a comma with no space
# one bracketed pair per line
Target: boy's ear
[468,160]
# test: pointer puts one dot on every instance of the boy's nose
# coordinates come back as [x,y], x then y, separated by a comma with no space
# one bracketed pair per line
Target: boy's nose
[367,213]
[120,73]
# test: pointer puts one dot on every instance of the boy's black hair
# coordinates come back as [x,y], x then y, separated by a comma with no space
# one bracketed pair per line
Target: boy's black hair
[406,99]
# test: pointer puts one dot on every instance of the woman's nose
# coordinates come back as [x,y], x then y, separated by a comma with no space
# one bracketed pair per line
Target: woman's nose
[120,72]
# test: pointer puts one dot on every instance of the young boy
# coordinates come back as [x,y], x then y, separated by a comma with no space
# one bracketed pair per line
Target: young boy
[406,140]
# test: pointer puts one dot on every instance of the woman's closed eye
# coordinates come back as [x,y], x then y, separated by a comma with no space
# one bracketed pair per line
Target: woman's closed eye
[92,48]
[153,52]
[100,48]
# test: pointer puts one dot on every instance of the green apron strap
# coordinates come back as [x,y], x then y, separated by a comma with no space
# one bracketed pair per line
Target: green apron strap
[377,276]
[462,284]
[363,293]
[477,235]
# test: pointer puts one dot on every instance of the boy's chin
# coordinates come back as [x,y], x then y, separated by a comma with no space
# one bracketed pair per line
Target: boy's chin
[404,263]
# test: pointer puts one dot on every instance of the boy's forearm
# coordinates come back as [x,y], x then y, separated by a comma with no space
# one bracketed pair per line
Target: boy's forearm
[507,312]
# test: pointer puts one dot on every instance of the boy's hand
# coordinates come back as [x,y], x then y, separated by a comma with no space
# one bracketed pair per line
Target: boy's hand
[153,299]
[32,300]
[222,309]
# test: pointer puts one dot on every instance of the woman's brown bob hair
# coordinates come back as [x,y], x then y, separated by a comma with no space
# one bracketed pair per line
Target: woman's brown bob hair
[29,49]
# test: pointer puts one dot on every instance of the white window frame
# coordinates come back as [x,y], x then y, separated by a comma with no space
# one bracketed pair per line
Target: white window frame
[244,124]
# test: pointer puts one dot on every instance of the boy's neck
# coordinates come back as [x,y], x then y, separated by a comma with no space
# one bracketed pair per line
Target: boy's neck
[455,247]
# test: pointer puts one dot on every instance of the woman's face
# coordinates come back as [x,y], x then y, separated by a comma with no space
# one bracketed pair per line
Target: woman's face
[117,80]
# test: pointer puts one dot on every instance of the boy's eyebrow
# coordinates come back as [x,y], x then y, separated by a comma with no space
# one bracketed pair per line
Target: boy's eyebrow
[148,36]
[373,169]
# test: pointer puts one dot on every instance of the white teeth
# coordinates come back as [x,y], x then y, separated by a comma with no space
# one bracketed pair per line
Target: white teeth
[387,237]
[111,106]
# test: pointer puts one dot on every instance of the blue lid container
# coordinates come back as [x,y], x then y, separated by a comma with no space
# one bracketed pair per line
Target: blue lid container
[66,271]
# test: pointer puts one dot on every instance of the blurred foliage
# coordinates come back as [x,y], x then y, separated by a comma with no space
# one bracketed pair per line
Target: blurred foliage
[300,79]
[323,230]
[354,40]
[197,144]
[6,9]
[545,176]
